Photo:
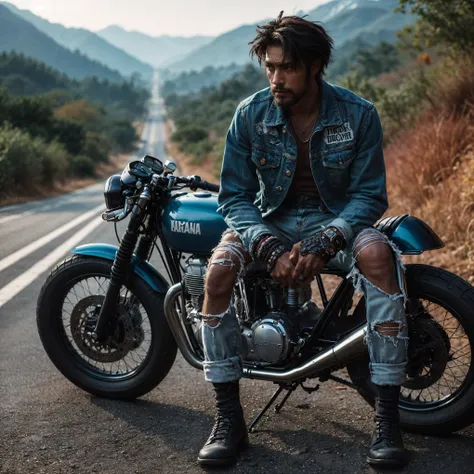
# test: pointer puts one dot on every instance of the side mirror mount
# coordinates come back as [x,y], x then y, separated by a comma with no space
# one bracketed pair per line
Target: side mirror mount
[170,167]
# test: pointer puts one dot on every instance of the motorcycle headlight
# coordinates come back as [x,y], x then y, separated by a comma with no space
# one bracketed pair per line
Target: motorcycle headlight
[113,193]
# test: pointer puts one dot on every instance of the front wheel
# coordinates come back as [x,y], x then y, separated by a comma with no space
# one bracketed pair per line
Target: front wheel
[438,396]
[139,349]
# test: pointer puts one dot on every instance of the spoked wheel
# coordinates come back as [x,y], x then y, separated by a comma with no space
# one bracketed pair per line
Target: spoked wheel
[139,349]
[128,341]
[438,395]
[440,357]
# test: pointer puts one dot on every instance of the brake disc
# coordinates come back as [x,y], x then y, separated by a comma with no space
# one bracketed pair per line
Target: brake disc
[428,353]
[123,335]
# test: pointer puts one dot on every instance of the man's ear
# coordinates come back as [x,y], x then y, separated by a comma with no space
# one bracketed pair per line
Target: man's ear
[315,67]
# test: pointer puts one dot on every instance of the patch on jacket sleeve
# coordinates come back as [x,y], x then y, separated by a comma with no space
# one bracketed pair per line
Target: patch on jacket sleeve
[339,134]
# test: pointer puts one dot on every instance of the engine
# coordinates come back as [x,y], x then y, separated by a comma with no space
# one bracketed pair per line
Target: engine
[273,327]
[270,339]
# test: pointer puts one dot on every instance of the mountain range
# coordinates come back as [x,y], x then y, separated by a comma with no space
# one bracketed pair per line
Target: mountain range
[113,53]
[19,35]
[345,20]
[154,50]
[88,43]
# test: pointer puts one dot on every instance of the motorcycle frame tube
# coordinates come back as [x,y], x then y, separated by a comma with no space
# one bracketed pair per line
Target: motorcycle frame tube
[350,347]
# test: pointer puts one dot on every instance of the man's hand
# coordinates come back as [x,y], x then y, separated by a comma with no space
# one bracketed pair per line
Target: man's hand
[307,267]
[283,271]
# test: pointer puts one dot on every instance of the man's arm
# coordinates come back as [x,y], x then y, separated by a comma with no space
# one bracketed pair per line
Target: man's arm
[367,189]
[239,184]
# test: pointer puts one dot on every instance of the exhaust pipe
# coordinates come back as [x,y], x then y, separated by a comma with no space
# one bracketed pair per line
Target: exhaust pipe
[349,348]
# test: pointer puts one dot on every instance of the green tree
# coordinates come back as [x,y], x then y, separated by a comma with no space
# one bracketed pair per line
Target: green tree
[448,21]
[374,61]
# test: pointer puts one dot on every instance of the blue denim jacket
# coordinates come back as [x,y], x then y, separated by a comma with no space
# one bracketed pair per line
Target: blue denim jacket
[346,160]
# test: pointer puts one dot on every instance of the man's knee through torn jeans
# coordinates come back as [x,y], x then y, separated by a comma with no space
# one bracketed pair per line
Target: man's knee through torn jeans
[388,354]
[222,342]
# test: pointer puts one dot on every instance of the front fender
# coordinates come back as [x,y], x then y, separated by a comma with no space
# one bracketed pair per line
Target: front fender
[144,270]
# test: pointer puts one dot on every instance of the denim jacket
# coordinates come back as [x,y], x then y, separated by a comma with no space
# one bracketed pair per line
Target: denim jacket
[346,161]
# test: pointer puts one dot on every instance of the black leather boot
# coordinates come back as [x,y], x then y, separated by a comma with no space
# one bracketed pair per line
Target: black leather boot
[387,448]
[229,433]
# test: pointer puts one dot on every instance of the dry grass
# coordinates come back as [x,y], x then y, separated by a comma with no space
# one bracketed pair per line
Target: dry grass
[431,176]
[422,157]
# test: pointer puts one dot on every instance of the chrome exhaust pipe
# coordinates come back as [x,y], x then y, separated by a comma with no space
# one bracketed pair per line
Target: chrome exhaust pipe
[349,348]
[174,323]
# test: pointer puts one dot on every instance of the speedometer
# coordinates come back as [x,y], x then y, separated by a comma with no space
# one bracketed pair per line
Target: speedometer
[154,163]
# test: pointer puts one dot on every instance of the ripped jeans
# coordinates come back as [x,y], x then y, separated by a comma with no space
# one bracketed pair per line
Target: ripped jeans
[388,354]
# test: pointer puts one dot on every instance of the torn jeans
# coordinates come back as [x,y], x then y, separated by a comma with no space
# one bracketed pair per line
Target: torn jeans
[306,216]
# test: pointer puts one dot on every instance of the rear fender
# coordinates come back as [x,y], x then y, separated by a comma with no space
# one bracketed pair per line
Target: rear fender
[142,269]
[410,234]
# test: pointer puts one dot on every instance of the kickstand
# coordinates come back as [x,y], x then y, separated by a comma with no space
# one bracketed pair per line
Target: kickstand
[285,398]
[271,402]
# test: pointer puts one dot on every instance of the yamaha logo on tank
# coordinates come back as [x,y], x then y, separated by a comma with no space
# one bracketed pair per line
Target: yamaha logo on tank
[186,227]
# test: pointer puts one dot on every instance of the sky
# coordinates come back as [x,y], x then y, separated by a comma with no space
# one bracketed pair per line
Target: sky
[160,17]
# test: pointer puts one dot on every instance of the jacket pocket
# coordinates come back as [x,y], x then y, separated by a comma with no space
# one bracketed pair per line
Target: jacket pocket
[267,165]
[265,159]
[338,159]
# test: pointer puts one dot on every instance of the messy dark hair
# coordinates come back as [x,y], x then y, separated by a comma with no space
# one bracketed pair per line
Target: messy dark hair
[302,40]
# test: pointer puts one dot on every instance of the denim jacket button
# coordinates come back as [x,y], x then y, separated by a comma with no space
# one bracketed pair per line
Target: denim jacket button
[279,188]
[284,131]
[288,172]
[263,160]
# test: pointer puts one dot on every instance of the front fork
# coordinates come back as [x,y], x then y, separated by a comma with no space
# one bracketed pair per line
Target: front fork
[120,266]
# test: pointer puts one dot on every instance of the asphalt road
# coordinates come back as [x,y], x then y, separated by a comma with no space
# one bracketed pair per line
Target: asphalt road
[47,425]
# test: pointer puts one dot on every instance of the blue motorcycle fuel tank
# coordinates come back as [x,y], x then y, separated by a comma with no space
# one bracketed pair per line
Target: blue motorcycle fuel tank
[191,223]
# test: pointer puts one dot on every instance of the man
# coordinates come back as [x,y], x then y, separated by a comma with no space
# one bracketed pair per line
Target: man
[303,181]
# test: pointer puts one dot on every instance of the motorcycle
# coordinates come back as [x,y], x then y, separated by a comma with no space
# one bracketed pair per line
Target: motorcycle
[112,323]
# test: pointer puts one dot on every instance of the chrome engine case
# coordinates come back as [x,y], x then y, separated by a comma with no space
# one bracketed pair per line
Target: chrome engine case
[270,339]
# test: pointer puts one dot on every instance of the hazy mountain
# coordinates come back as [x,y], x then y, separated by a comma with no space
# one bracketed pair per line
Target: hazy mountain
[88,43]
[332,9]
[18,35]
[344,19]
[230,47]
[154,50]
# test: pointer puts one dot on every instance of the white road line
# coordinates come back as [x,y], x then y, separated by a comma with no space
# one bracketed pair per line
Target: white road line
[32,211]
[23,252]
[21,282]
[15,216]
[48,207]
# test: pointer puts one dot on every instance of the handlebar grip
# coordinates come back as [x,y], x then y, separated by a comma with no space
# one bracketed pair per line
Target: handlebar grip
[209,186]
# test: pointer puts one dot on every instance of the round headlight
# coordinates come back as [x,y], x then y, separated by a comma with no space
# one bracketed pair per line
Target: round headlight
[113,195]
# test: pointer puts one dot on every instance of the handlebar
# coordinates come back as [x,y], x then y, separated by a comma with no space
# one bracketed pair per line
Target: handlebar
[195,182]
[208,186]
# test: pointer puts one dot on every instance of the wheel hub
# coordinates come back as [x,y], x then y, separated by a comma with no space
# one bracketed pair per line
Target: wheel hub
[123,334]
[428,352]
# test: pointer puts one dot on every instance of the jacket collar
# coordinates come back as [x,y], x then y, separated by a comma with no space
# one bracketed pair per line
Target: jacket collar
[329,114]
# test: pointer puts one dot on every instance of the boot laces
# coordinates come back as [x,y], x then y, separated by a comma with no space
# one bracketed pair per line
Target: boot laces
[221,428]
[386,430]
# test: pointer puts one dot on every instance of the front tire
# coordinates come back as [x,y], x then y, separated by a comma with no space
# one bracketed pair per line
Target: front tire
[95,368]
[453,411]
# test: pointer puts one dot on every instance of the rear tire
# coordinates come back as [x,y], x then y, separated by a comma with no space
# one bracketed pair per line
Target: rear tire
[161,353]
[456,296]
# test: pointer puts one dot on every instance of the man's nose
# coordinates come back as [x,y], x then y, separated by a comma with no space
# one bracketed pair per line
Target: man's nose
[277,78]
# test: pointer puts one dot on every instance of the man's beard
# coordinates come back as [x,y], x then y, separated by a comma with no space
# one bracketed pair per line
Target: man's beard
[292,98]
